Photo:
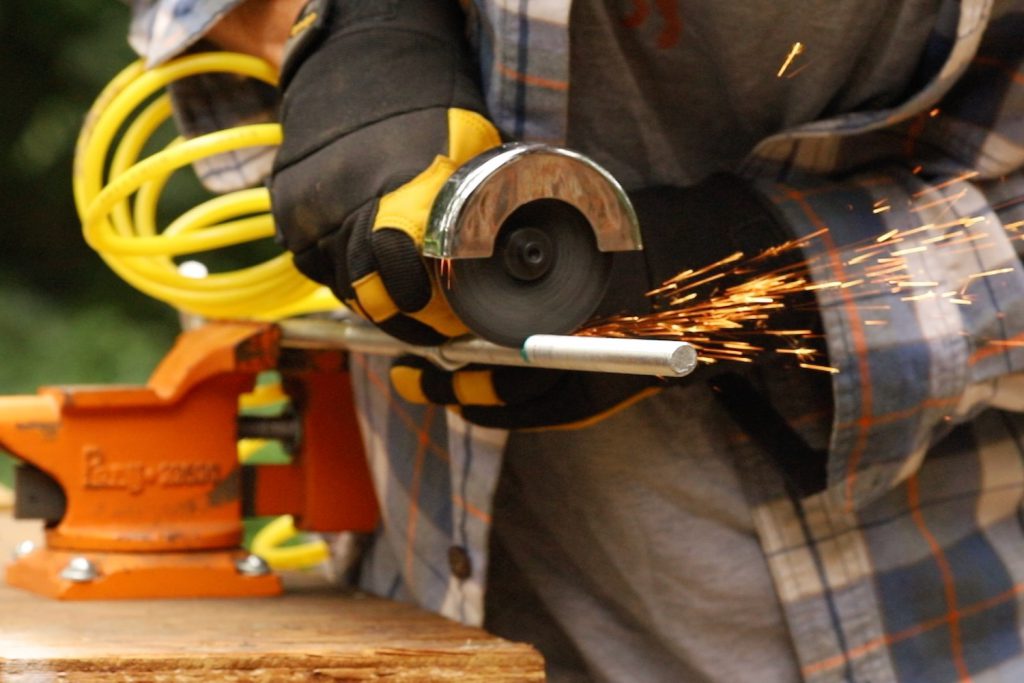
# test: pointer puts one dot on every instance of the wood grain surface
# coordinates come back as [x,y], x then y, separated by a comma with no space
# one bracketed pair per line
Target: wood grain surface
[310,633]
[316,635]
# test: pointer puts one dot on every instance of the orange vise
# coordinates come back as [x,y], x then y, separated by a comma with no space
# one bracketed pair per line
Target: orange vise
[141,487]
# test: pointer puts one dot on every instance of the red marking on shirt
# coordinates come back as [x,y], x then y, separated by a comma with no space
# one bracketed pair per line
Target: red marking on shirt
[672,23]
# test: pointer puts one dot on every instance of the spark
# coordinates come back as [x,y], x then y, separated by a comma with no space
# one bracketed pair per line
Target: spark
[794,52]
[910,250]
[741,346]
[913,231]
[673,283]
[943,185]
[736,359]
[683,299]
[810,353]
[980,246]
[738,309]
[989,273]
[1009,202]
[794,72]
[944,200]
[965,240]
[943,238]
[824,285]
[864,257]
[808,238]
[922,283]
[977,276]
[820,368]
[730,352]
[725,310]
[444,270]
[966,222]
[883,271]
[1006,342]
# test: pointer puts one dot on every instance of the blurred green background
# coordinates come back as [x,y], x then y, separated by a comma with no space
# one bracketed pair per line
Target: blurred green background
[64,317]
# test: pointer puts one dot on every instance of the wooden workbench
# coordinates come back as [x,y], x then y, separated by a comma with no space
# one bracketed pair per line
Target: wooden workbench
[307,634]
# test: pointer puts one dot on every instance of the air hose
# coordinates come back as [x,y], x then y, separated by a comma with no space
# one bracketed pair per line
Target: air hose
[269,543]
[125,233]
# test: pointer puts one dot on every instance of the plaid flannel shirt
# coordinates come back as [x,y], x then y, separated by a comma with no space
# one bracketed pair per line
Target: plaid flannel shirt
[910,565]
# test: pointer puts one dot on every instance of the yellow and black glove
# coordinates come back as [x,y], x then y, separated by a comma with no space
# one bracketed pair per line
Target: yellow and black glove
[380,103]
[681,228]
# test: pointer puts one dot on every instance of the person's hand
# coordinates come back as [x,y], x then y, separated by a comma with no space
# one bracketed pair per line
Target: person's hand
[380,105]
[256,27]
[681,228]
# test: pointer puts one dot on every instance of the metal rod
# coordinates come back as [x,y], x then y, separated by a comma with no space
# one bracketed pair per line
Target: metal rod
[657,357]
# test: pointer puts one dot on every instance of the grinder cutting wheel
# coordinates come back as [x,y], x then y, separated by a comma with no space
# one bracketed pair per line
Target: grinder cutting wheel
[522,236]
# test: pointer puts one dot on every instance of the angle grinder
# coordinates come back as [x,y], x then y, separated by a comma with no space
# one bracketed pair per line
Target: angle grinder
[521,239]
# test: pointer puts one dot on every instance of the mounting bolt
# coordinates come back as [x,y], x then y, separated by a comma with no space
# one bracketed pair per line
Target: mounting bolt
[252,565]
[22,549]
[80,570]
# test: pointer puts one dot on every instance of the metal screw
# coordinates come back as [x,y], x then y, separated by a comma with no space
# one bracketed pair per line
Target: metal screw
[23,549]
[252,565]
[80,570]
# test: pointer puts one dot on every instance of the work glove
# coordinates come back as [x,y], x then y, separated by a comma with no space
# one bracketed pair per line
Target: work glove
[681,228]
[380,104]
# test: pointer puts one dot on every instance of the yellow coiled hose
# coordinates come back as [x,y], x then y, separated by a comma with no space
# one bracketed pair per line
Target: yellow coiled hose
[125,233]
